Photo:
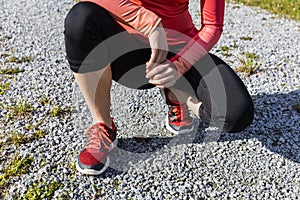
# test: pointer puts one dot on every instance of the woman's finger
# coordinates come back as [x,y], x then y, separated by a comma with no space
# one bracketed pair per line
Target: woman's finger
[166,73]
[157,70]
[167,84]
[157,56]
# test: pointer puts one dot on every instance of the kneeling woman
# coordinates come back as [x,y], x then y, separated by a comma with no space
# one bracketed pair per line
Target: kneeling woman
[151,43]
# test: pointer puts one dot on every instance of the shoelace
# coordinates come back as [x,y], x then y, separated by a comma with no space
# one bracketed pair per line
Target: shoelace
[178,113]
[98,136]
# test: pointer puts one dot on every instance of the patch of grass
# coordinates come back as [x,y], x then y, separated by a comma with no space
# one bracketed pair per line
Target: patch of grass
[72,166]
[65,195]
[225,51]
[11,59]
[14,59]
[11,71]
[21,108]
[39,134]
[250,55]
[45,101]
[16,167]
[225,48]
[296,107]
[4,55]
[116,184]
[58,111]
[34,125]
[246,38]
[42,190]
[97,191]
[290,8]
[20,138]
[4,87]
[249,65]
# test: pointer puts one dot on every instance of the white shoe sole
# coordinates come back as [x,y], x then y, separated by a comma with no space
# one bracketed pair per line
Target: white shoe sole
[96,172]
[184,131]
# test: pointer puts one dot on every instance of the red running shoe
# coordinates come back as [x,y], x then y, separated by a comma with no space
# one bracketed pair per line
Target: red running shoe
[94,159]
[178,119]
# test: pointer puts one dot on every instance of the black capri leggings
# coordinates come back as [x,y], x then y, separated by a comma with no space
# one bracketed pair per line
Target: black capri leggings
[94,39]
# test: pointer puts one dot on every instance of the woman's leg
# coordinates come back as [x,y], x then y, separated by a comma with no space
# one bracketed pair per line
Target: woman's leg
[93,40]
[87,25]
[95,87]
[225,101]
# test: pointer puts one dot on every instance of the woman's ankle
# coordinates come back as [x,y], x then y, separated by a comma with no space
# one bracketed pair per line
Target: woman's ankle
[107,122]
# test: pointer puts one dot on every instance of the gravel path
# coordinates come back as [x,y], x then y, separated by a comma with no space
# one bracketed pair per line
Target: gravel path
[261,162]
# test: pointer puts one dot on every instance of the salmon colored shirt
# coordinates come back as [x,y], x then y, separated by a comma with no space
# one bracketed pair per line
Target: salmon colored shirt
[142,17]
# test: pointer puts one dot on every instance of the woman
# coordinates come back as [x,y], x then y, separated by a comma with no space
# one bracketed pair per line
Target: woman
[151,43]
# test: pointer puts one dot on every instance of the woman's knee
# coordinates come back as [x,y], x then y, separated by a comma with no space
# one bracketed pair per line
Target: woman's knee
[83,31]
[79,21]
[238,121]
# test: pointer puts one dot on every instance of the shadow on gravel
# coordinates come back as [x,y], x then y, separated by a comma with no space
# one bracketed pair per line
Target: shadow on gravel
[276,125]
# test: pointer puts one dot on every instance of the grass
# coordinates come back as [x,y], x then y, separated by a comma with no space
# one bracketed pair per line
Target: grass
[116,184]
[20,138]
[45,101]
[13,59]
[250,55]
[11,71]
[4,87]
[246,38]
[290,8]
[225,51]
[16,167]
[21,108]
[39,134]
[58,111]
[42,190]
[249,65]
[97,191]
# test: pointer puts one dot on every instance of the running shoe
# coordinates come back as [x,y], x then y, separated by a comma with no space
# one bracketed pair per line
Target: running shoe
[178,119]
[94,159]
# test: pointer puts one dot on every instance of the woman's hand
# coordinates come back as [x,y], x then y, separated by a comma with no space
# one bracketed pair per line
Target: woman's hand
[163,75]
[159,47]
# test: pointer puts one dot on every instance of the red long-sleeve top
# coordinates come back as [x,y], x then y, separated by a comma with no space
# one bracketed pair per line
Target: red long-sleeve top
[142,17]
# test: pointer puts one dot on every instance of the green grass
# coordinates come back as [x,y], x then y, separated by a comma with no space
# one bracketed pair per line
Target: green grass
[4,87]
[225,51]
[13,59]
[249,65]
[21,138]
[246,38]
[11,71]
[45,101]
[116,184]
[21,108]
[16,167]
[97,191]
[250,55]
[42,190]
[39,134]
[290,8]
[58,111]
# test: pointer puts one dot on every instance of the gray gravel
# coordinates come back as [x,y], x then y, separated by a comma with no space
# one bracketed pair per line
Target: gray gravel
[261,162]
